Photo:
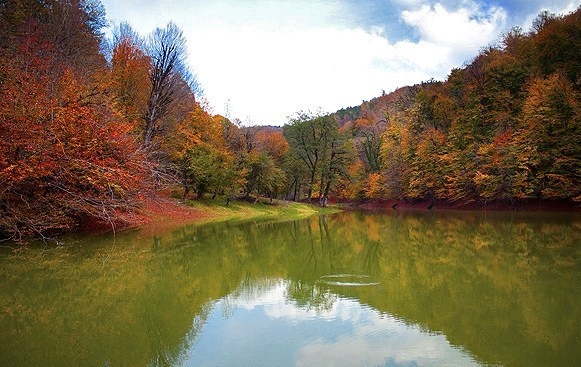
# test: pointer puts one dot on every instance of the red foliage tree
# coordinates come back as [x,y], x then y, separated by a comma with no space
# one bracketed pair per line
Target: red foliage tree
[66,157]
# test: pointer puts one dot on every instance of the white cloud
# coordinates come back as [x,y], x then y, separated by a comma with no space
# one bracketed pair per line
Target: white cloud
[274,303]
[268,76]
[269,73]
[270,59]
[461,32]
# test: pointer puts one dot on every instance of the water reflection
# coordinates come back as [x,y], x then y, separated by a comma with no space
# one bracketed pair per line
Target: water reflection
[270,324]
[442,288]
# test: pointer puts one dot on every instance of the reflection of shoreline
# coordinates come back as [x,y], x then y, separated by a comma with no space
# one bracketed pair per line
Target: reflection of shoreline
[483,279]
[503,286]
[532,205]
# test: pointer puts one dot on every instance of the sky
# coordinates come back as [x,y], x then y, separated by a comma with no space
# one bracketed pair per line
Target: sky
[263,60]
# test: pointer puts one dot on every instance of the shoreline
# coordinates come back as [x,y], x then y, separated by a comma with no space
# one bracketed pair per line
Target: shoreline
[162,211]
[500,206]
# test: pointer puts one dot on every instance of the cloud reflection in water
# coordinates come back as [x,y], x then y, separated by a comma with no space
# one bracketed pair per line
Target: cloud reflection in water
[263,325]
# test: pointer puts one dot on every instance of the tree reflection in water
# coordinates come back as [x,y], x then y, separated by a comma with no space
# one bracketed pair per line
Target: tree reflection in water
[502,287]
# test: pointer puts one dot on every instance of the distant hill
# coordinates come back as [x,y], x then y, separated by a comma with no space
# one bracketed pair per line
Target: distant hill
[378,108]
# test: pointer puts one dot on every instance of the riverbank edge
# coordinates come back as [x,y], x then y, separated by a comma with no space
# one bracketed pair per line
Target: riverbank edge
[162,211]
[516,205]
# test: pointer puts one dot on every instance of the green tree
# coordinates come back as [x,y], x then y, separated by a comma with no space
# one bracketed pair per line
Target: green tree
[263,176]
[207,169]
[368,143]
[296,175]
[337,158]
[310,137]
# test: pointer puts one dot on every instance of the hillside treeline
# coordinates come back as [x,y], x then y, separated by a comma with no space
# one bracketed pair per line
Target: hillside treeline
[91,125]
[505,127]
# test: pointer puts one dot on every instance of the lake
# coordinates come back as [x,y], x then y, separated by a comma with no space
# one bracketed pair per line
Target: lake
[351,289]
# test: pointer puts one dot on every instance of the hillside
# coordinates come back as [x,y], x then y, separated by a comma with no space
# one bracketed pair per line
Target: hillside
[378,108]
[504,128]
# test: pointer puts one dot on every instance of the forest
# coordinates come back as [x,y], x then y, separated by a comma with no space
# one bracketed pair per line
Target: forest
[91,125]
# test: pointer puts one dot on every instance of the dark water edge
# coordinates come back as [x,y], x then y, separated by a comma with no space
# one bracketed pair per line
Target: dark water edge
[523,205]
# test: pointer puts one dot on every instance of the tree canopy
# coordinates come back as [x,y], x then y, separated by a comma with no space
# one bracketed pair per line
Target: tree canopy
[90,126]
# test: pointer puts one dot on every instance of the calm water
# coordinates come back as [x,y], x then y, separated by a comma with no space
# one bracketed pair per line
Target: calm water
[352,289]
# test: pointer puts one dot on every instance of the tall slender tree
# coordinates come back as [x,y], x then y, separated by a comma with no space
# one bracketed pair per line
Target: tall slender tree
[171,80]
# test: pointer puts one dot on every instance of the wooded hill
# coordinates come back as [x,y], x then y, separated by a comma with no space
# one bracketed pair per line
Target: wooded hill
[90,126]
[507,126]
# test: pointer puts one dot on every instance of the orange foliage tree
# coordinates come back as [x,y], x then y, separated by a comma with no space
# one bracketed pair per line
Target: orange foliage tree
[273,143]
[66,157]
[129,78]
[548,146]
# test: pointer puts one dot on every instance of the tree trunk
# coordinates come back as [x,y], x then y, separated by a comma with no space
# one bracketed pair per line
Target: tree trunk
[326,194]
[312,183]
[297,190]
[149,130]
[321,188]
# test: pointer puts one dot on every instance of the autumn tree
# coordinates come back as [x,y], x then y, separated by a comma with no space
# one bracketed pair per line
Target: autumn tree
[548,142]
[557,43]
[129,77]
[66,157]
[231,134]
[426,169]
[395,155]
[272,143]
[375,188]
[200,156]
[498,166]
[353,185]
[154,90]
[499,129]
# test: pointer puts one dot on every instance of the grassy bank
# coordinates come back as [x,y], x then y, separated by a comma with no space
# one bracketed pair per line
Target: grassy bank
[217,210]
[161,211]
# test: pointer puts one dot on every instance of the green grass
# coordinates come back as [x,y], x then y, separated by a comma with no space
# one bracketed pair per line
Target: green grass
[217,210]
